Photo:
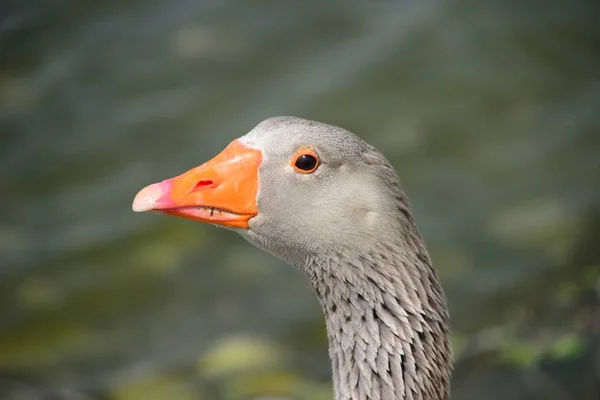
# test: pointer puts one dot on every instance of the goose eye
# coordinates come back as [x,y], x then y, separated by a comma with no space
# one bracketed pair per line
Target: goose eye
[306,163]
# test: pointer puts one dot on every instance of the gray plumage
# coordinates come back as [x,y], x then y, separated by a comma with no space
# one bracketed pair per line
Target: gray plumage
[349,228]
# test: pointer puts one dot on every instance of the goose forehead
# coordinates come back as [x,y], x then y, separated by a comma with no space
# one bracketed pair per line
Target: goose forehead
[264,140]
[286,134]
[277,134]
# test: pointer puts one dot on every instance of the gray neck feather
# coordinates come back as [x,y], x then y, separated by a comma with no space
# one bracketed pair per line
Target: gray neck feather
[387,322]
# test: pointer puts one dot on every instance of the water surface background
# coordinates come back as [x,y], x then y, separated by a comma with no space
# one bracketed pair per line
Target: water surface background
[489,110]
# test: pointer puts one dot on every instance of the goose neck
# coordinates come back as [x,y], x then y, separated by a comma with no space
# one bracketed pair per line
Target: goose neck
[387,323]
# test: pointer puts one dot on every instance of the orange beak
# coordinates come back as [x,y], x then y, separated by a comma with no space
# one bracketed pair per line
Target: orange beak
[222,191]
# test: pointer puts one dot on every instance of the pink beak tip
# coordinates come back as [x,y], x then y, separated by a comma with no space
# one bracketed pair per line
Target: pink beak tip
[147,199]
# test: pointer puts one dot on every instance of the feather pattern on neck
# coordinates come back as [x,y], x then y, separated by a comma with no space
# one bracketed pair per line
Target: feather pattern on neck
[387,323]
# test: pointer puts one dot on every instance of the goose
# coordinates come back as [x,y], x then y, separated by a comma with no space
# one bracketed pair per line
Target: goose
[323,200]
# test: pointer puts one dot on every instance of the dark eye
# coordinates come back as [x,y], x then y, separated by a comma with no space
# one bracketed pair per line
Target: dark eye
[306,163]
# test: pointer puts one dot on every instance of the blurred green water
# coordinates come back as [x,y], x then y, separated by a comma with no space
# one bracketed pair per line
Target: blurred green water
[489,111]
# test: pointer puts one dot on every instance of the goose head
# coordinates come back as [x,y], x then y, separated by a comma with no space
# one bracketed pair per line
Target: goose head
[290,186]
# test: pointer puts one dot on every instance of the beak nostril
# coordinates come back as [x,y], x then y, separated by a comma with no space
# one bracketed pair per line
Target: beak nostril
[203,184]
